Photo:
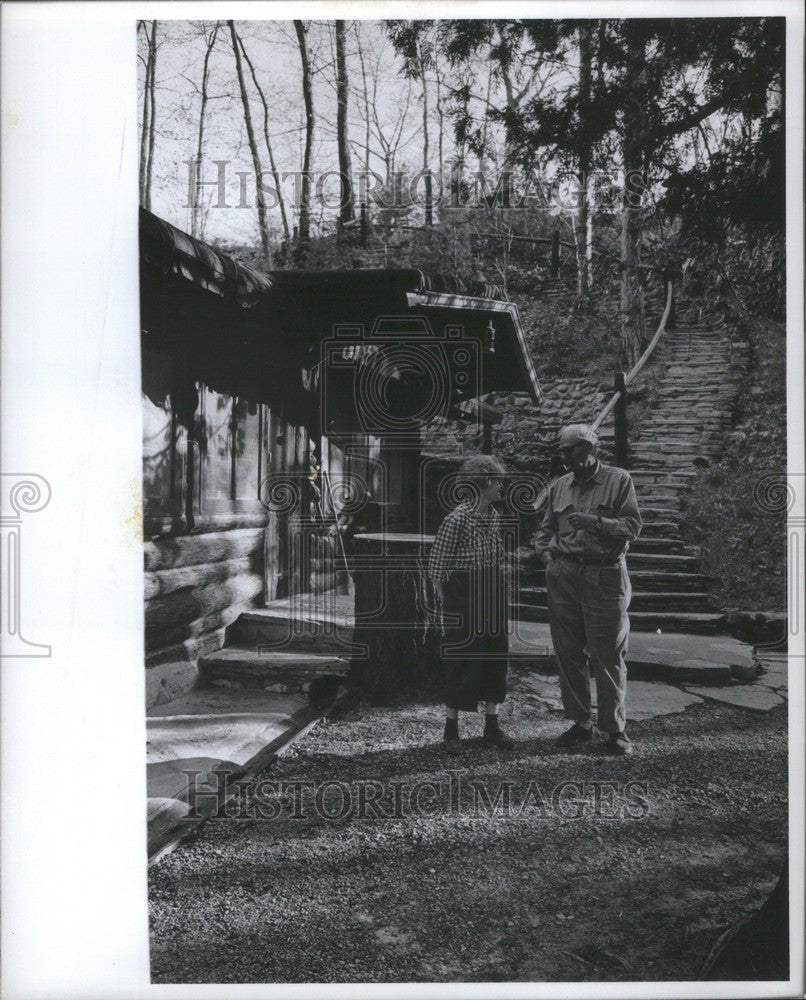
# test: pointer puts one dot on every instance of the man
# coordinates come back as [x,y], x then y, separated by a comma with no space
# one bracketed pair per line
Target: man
[590,518]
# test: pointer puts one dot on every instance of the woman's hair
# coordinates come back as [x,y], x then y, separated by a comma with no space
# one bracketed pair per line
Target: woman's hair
[481,467]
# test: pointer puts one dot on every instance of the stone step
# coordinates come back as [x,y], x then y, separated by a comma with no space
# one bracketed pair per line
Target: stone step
[643,580]
[705,411]
[663,561]
[697,378]
[651,499]
[702,367]
[646,621]
[649,493]
[676,462]
[682,358]
[650,511]
[686,415]
[679,354]
[659,484]
[271,630]
[711,400]
[642,474]
[664,545]
[659,529]
[663,420]
[649,452]
[641,600]
[272,671]
[654,457]
[643,444]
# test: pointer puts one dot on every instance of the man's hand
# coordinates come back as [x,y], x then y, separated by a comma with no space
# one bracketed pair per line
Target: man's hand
[585,521]
[546,557]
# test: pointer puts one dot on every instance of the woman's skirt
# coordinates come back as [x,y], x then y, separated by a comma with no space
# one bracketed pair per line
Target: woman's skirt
[475,648]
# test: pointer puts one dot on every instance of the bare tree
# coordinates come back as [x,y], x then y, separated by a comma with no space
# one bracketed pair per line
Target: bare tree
[149,113]
[584,157]
[261,205]
[429,191]
[441,120]
[272,162]
[347,207]
[307,94]
[366,100]
[196,225]
[152,100]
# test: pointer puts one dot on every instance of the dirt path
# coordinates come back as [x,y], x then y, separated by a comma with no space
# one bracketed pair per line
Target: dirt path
[427,885]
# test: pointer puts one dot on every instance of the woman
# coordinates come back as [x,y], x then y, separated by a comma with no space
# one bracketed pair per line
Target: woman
[467,568]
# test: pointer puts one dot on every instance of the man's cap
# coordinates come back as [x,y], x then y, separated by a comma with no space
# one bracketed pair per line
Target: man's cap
[577,434]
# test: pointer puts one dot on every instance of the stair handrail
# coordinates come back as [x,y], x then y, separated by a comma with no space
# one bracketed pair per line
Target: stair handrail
[638,366]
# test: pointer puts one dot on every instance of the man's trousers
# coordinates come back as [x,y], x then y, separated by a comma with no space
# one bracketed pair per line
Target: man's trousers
[589,628]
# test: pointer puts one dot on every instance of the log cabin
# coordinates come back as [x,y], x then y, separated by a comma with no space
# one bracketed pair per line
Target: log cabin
[276,403]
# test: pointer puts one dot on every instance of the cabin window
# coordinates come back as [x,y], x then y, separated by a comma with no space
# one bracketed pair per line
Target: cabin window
[232,435]
[164,446]
[208,479]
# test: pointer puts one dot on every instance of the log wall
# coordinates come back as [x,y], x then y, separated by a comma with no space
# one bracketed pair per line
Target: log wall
[195,586]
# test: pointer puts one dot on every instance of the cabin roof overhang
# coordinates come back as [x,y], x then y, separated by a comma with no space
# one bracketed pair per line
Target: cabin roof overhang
[268,325]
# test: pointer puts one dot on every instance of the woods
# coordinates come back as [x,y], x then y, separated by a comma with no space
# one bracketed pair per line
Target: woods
[469,145]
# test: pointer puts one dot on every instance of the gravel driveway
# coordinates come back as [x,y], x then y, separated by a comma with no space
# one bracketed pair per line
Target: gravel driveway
[391,862]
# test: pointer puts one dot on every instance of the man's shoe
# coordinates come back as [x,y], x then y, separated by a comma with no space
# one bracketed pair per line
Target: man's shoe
[576,734]
[619,744]
[498,738]
[453,745]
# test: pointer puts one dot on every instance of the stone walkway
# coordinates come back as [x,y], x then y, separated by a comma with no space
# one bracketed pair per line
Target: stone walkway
[648,699]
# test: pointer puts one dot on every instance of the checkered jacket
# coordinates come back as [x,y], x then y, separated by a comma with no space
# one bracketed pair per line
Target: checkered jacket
[466,539]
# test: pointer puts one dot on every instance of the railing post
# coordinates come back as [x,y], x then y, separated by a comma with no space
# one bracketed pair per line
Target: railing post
[555,254]
[621,444]
[669,280]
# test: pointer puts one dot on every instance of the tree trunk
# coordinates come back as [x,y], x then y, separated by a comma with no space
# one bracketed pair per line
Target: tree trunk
[304,232]
[584,158]
[429,195]
[633,156]
[441,141]
[272,163]
[152,112]
[366,112]
[261,206]
[196,227]
[147,133]
[347,207]
[591,196]
[144,127]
